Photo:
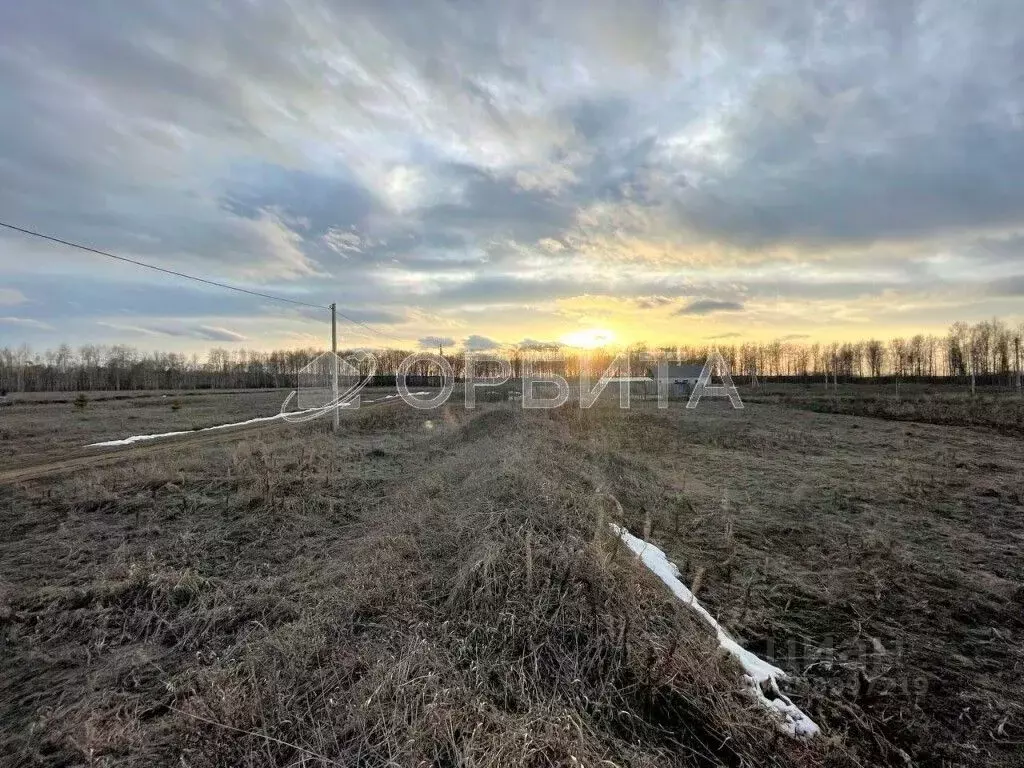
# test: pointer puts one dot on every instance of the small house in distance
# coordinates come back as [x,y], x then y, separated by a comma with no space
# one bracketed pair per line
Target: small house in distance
[681,378]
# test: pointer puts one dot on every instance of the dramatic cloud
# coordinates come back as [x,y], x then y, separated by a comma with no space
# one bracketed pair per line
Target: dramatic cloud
[709,307]
[723,336]
[511,170]
[476,343]
[433,342]
[651,302]
[539,346]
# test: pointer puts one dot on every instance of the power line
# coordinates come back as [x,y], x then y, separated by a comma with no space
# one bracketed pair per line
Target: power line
[370,328]
[109,255]
[158,269]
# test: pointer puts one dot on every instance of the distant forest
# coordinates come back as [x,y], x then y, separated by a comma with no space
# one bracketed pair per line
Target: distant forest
[988,351]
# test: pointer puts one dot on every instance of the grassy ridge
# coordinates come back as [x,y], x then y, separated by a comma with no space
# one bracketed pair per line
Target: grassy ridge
[409,596]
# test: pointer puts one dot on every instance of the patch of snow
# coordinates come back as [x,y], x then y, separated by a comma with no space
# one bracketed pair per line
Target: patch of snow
[143,438]
[760,678]
[394,397]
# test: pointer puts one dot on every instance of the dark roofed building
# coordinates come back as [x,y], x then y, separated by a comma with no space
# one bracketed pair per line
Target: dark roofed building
[682,378]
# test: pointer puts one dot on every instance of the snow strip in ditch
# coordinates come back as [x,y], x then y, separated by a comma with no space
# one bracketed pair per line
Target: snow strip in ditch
[759,674]
[143,438]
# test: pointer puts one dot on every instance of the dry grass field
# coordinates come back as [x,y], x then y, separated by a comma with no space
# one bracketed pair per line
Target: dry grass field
[47,425]
[43,425]
[996,409]
[437,588]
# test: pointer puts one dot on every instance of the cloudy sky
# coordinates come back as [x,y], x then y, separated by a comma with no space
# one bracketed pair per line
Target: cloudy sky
[491,171]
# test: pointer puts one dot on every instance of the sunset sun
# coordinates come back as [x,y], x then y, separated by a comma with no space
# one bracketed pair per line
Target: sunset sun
[589,338]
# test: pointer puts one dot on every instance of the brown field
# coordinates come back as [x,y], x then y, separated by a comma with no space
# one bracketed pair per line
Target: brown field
[42,425]
[436,588]
[997,409]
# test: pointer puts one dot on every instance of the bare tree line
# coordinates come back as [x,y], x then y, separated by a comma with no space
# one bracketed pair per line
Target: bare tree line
[990,351]
[120,367]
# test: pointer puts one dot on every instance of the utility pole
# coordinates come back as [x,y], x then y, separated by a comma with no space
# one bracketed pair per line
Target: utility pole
[334,365]
[1016,356]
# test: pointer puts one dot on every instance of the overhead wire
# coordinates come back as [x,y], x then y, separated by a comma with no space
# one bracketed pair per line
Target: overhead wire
[185,275]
